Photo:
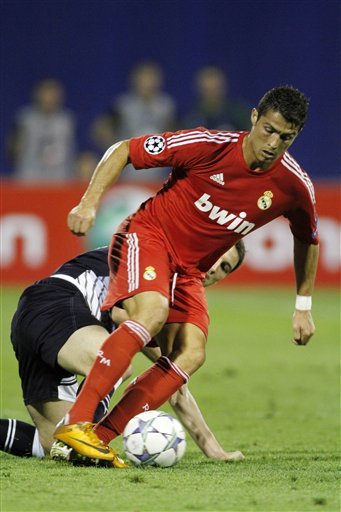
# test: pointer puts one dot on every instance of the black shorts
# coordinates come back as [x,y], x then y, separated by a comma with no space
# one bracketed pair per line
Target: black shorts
[48,313]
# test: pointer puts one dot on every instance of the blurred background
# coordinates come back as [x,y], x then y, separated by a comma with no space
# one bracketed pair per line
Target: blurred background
[79,74]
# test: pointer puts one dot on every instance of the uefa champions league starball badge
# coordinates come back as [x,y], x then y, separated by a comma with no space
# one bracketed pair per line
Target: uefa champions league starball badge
[155,144]
[265,201]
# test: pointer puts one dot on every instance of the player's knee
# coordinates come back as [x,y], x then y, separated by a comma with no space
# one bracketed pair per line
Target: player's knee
[46,440]
[151,311]
[191,359]
[80,350]
[197,359]
[158,319]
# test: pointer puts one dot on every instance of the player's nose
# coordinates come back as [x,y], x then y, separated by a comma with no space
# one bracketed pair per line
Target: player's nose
[274,140]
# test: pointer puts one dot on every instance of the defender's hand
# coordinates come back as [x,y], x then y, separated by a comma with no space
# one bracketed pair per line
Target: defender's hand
[227,456]
[303,327]
[80,219]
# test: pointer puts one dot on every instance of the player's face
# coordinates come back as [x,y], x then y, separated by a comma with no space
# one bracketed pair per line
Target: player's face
[271,135]
[222,267]
[232,258]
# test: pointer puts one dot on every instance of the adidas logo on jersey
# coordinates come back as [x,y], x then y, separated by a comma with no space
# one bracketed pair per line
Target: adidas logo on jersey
[219,178]
[236,223]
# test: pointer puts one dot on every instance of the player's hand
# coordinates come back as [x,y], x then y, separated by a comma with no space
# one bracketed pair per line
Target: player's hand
[303,327]
[227,456]
[80,219]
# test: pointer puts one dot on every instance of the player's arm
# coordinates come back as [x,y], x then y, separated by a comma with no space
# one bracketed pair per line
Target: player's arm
[82,217]
[188,412]
[305,262]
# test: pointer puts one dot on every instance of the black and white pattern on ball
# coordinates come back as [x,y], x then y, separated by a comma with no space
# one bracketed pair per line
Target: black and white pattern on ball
[154,144]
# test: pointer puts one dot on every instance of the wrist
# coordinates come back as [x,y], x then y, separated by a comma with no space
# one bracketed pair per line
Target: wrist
[303,302]
[89,202]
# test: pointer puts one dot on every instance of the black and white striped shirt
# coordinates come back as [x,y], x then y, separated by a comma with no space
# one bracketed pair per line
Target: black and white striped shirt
[89,272]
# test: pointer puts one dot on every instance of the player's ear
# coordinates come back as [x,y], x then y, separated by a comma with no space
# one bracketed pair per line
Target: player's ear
[254,116]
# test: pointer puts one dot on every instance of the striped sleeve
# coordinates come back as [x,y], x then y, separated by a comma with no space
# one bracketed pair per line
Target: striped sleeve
[303,219]
[184,148]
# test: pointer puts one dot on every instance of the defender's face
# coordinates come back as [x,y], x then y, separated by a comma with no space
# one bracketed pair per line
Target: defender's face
[222,267]
[271,135]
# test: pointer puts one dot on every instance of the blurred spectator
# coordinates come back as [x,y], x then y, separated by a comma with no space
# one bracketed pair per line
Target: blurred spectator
[143,109]
[214,108]
[41,144]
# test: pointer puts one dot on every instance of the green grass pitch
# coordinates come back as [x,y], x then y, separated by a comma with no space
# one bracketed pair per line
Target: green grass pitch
[276,402]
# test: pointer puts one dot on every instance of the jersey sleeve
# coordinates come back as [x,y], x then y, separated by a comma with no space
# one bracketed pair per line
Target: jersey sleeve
[303,219]
[184,148]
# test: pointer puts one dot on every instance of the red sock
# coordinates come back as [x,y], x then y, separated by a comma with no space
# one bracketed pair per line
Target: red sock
[111,362]
[147,392]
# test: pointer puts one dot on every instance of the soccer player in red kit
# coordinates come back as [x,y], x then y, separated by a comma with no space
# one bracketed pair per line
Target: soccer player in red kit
[223,185]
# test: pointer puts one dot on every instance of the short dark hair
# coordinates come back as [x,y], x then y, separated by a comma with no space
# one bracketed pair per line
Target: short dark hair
[288,101]
[240,246]
[226,267]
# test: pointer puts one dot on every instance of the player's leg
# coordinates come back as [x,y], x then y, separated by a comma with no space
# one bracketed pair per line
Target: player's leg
[76,355]
[44,325]
[140,281]
[20,438]
[114,357]
[45,416]
[156,385]
[183,339]
[185,345]
[117,351]
[26,440]
[80,350]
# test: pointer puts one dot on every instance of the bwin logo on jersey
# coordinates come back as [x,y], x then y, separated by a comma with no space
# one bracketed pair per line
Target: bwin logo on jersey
[234,223]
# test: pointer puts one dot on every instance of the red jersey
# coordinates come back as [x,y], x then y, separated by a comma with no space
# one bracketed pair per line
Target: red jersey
[212,199]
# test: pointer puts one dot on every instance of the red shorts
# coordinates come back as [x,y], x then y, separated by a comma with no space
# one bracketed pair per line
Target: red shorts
[139,261]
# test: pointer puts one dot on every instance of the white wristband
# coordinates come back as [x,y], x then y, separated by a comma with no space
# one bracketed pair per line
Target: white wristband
[303,303]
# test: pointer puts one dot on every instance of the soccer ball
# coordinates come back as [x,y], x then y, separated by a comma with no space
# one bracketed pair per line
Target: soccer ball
[154,438]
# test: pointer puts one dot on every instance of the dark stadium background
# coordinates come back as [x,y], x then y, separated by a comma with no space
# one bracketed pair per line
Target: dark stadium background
[92,44]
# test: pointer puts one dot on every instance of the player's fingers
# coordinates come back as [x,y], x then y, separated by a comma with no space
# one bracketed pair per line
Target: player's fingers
[74,225]
[85,225]
[297,342]
[77,233]
[73,222]
[307,332]
[303,338]
[297,336]
[79,225]
[306,338]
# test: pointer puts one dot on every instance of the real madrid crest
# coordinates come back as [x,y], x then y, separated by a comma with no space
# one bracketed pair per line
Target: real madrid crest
[149,273]
[265,201]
